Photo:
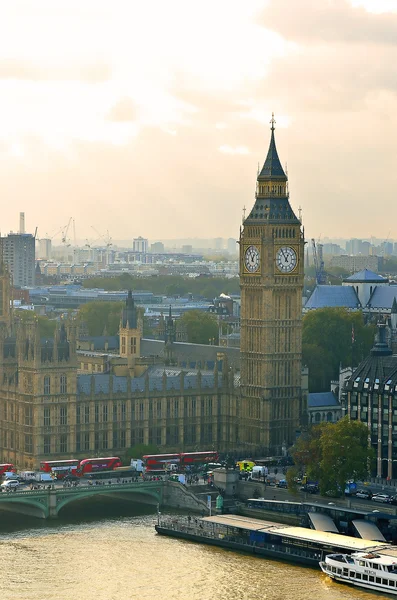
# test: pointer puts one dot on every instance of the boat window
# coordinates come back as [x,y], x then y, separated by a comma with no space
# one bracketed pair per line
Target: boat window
[378,580]
[346,572]
[352,574]
[365,577]
[350,560]
[375,566]
[358,575]
[384,582]
[361,563]
[391,583]
[371,578]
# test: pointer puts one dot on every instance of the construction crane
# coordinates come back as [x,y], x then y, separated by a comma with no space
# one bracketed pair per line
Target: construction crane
[105,238]
[65,231]
[318,262]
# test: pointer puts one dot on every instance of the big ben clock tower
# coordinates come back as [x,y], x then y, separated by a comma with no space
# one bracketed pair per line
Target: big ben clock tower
[271,281]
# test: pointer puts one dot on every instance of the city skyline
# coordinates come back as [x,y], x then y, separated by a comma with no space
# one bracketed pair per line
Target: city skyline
[167,131]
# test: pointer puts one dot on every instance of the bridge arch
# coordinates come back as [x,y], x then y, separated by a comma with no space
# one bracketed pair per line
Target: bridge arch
[63,499]
[29,500]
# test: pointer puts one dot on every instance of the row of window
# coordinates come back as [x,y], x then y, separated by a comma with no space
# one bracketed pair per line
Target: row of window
[364,577]
[63,385]
[104,440]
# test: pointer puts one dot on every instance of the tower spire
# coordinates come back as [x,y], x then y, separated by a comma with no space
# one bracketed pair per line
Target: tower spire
[272,169]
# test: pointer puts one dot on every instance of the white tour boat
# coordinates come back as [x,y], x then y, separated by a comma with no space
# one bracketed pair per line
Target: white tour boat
[376,571]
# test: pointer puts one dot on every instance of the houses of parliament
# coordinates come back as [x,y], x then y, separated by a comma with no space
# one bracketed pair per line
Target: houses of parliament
[174,395]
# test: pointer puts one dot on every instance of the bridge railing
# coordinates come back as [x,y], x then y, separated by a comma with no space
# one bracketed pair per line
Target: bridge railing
[77,488]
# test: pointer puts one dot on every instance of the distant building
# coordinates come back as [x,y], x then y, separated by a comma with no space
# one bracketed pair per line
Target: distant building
[140,244]
[232,246]
[18,251]
[45,249]
[332,249]
[353,263]
[157,248]
[187,249]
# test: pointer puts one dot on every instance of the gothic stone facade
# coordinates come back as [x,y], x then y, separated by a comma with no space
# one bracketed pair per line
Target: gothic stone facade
[271,276]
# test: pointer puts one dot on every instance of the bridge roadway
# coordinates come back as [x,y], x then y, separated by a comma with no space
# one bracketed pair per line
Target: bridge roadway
[46,503]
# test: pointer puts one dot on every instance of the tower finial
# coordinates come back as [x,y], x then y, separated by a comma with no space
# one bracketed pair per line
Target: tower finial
[273,122]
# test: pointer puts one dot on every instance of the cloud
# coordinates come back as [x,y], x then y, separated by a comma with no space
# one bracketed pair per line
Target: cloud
[329,21]
[25,70]
[124,110]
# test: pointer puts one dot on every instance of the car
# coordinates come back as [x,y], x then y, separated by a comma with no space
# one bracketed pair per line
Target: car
[365,494]
[282,484]
[310,488]
[385,498]
[10,484]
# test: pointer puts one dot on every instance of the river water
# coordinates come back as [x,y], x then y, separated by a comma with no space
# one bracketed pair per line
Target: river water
[109,552]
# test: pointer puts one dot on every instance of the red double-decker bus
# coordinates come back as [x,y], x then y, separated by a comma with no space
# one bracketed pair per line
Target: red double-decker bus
[94,465]
[198,458]
[160,462]
[166,462]
[6,468]
[60,468]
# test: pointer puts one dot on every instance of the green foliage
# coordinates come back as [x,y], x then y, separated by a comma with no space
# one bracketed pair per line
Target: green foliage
[139,450]
[46,326]
[171,285]
[201,327]
[334,453]
[327,343]
[100,315]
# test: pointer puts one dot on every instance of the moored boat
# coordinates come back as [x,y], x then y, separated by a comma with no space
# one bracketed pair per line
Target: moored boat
[264,538]
[376,571]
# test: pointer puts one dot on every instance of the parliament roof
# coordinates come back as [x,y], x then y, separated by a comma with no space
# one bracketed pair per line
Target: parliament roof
[332,296]
[383,297]
[321,399]
[366,276]
[103,383]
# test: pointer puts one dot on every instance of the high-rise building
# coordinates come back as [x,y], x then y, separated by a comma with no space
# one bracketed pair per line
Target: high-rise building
[45,248]
[271,279]
[140,244]
[18,252]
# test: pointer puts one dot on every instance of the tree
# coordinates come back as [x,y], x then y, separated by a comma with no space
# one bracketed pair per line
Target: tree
[46,326]
[333,336]
[139,450]
[201,327]
[332,454]
[100,315]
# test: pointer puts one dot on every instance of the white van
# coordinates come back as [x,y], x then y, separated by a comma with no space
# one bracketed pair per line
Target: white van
[27,475]
[257,472]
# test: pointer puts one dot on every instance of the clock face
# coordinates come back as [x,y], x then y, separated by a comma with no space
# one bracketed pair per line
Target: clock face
[286,259]
[251,259]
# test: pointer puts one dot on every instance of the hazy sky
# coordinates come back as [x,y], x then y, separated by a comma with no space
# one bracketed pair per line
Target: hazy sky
[150,117]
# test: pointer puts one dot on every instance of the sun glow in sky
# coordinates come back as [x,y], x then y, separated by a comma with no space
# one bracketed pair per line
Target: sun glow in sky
[149,118]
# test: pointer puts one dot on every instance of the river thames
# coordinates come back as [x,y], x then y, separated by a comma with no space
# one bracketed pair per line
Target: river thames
[113,553]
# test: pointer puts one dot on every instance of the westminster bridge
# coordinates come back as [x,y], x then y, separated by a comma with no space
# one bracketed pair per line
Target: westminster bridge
[47,503]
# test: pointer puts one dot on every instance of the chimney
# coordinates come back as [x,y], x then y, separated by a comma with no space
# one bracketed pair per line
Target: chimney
[22,222]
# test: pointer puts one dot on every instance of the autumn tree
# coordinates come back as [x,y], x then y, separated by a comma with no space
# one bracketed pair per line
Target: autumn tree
[332,454]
